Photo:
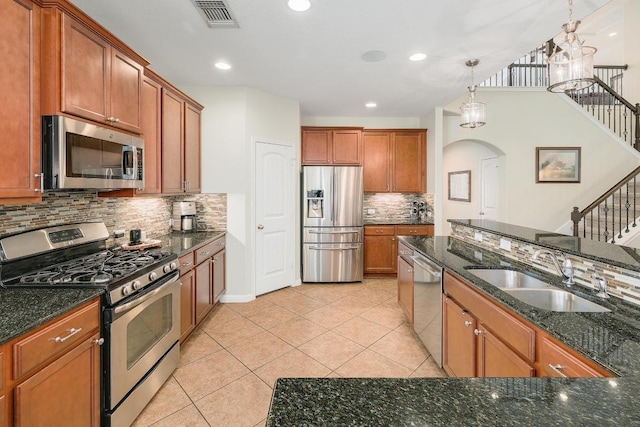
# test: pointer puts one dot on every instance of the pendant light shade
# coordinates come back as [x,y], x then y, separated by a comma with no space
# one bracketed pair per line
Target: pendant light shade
[571,64]
[472,112]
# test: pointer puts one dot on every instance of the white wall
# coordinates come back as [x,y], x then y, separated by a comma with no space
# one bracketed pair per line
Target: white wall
[232,120]
[518,121]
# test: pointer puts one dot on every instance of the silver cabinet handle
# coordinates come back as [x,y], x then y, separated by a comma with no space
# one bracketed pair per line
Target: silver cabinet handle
[72,332]
[205,253]
[186,264]
[41,189]
[468,323]
[477,332]
[99,341]
[558,369]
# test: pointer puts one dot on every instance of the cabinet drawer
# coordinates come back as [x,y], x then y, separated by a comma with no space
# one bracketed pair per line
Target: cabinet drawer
[210,249]
[383,230]
[557,362]
[520,336]
[415,230]
[33,351]
[186,263]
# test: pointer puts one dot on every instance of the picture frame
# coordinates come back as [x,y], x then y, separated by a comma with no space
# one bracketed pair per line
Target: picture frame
[558,165]
[460,186]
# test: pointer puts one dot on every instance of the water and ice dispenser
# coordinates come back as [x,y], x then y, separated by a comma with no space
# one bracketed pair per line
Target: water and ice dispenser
[315,203]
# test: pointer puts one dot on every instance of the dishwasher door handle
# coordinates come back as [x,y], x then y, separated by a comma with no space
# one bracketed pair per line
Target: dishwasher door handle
[418,261]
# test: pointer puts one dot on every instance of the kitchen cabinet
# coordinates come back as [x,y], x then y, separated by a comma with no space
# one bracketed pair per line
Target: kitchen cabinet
[405,280]
[60,359]
[90,74]
[331,146]
[504,346]
[380,246]
[4,410]
[203,281]
[557,360]
[20,107]
[180,143]
[151,132]
[394,161]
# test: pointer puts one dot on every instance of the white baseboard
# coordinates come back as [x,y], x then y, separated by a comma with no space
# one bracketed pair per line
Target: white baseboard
[237,298]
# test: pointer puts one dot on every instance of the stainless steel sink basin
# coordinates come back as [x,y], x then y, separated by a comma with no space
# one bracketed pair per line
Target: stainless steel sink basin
[554,299]
[508,279]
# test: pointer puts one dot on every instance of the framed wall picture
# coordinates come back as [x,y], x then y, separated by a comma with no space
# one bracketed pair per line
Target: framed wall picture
[460,186]
[558,164]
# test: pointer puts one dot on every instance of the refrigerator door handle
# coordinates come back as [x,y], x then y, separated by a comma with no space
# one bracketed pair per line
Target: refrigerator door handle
[350,248]
[333,232]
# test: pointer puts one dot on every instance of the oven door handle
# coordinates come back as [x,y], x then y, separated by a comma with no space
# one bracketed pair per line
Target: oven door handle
[136,302]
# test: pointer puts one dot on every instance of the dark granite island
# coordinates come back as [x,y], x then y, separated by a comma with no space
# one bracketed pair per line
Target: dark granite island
[490,401]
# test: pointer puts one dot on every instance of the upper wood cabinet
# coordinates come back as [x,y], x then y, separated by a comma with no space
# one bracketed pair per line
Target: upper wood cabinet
[331,146]
[20,106]
[90,74]
[394,161]
[151,126]
[180,143]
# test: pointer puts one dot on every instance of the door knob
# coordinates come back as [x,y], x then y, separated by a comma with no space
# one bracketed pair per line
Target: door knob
[260,226]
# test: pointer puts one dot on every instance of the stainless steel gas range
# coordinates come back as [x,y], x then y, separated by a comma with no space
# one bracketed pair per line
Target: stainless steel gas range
[140,315]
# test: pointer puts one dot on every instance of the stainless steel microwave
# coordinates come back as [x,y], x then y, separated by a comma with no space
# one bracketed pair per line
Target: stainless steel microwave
[77,155]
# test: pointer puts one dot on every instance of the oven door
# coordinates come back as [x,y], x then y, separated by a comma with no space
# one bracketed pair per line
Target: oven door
[141,331]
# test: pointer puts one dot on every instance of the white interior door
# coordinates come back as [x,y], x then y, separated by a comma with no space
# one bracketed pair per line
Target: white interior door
[490,187]
[275,224]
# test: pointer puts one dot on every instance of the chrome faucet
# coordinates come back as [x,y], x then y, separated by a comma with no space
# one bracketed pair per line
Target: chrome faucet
[602,286]
[565,271]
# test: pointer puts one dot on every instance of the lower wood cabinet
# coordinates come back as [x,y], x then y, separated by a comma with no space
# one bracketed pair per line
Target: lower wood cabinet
[4,410]
[459,341]
[55,382]
[203,281]
[557,360]
[381,246]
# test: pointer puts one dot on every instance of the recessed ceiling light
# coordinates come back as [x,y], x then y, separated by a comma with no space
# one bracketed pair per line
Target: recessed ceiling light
[373,56]
[222,65]
[418,57]
[370,105]
[299,5]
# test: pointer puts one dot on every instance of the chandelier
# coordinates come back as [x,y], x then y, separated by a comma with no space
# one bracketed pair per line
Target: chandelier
[571,64]
[473,113]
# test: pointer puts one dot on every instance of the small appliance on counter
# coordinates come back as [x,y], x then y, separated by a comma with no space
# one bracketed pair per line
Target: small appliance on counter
[184,217]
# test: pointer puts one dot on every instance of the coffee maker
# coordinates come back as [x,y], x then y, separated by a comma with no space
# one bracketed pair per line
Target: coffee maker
[184,217]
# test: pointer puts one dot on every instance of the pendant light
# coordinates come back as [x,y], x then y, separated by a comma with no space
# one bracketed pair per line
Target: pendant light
[473,113]
[571,64]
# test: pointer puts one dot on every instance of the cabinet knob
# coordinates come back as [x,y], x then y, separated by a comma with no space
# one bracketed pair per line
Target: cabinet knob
[260,226]
[99,341]
[477,331]
[468,323]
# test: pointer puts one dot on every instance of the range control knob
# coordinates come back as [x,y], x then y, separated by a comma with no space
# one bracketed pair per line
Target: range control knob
[153,275]
[126,290]
[136,284]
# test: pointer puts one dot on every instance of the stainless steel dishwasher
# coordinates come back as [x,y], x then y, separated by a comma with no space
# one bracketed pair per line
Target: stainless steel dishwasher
[427,304]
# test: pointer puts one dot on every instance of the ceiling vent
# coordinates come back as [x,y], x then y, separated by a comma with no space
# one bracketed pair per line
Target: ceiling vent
[216,14]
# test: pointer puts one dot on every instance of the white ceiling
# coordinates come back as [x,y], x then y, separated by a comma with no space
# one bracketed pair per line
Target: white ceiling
[314,57]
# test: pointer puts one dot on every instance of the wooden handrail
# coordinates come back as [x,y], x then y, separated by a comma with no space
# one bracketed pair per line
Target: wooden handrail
[615,94]
[613,189]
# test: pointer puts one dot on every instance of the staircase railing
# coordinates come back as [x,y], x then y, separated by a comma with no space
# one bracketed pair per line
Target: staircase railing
[612,213]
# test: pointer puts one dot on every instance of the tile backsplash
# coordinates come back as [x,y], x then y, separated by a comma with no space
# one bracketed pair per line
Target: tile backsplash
[150,214]
[396,206]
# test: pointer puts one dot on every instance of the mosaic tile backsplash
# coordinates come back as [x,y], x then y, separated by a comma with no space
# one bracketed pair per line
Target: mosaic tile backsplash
[150,214]
[397,206]
[621,283]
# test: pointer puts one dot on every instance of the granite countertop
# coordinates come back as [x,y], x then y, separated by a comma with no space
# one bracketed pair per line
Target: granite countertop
[23,309]
[396,221]
[610,339]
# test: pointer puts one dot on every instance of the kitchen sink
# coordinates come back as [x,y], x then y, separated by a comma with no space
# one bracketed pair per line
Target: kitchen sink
[508,279]
[555,300]
[535,292]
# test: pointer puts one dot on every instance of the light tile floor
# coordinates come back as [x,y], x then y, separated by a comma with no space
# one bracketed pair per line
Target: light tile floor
[228,367]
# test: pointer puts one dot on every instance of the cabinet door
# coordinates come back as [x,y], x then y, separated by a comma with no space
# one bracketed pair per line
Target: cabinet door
[74,380]
[151,131]
[125,92]
[192,148]
[204,300]
[459,340]
[4,411]
[187,305]
[376,163]
[20,106]
[495,359]
[380,254]
[219,275]
[405,287]
[172,142]
[409,160]
[316,147]
[347,147]
[87,59]
[558,362]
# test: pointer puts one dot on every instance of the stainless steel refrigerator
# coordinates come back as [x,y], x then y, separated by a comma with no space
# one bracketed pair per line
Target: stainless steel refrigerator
[332,198]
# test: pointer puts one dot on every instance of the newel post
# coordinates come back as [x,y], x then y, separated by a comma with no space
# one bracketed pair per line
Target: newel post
[575,218]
